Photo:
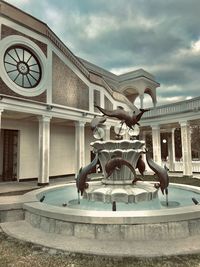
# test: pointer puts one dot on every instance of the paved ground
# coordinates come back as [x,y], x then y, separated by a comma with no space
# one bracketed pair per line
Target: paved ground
[14,188]
[24,231]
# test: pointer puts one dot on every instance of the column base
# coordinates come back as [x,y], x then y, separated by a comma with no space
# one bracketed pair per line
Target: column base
[187,176]
[42,184]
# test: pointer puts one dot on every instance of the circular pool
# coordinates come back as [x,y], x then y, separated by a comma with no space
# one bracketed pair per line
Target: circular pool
[138,221]
[66,196]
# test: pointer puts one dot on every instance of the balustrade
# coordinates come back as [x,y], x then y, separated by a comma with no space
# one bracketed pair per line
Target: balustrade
[184,106]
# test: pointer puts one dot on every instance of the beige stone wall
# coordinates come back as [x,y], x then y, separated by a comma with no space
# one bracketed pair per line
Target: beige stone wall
[7,31]
[68,89]
[4,89]
[1,154]
[62,146]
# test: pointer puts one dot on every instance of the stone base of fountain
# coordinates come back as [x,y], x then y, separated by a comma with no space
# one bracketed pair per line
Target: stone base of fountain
[120,192]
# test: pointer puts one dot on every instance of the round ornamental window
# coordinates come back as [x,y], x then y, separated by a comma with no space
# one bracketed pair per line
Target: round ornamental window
[22,66]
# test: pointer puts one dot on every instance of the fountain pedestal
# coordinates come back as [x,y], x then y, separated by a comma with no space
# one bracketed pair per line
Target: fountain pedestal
[119,187]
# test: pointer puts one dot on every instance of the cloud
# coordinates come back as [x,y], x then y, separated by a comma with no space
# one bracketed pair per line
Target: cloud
[162,37]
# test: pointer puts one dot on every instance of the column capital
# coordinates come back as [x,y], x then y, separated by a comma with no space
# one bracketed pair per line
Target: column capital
[155,127]
[44,118]
[1,110]
[107,126]
[184,123]
[79,123]
[173,130]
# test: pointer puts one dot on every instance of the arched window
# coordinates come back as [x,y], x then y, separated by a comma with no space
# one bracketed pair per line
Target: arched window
[22,66]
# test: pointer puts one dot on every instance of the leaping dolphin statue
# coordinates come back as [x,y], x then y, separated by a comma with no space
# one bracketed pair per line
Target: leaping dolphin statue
[160,172]
[115,163]
[96,121]
[123,115]
[140,166]
[81,178]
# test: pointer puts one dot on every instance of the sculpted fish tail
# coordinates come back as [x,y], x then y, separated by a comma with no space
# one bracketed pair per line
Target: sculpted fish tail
[130,167]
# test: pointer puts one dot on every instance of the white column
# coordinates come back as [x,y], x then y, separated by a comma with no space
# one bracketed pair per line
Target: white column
[102,99]
[44,149]
[126,136]
[79,145]
[186,148]
[143,136]
[91,99]
[141,100]
[170,151]
[173,145]
[1,111]
[107,132]
[156,144]
[1,142]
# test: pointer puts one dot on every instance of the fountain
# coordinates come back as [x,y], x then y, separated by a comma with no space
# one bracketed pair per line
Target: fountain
[119,207]
[122,184]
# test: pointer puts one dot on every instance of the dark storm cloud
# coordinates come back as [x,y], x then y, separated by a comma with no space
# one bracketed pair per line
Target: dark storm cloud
[163,37]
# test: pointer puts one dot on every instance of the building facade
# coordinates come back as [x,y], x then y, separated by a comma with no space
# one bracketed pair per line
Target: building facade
[47,98]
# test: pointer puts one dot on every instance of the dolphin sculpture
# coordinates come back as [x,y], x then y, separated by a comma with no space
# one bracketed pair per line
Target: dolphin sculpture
[160,172]
[141,166]
[123,115]
[96,121]
[82,175]
[115,163]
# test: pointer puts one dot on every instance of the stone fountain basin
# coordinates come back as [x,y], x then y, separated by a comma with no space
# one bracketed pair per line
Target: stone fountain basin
[164,224]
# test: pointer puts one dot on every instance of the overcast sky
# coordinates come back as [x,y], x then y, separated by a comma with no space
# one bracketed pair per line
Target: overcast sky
[160,36]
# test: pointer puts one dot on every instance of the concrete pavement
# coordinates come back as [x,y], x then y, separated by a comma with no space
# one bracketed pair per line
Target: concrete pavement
[24,231]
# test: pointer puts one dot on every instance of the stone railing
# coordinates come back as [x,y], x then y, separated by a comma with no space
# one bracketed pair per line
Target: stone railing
[179,107]
[178,166]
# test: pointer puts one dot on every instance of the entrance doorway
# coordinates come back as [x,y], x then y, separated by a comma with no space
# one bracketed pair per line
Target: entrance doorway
[9,154]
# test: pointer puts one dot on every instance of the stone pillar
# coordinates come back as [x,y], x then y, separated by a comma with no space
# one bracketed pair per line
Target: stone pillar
[171,151]
[91,100]
[102,99]
[142,136]
[141,100]
[1,111]
[126,136]
[44,149]
[1,141]
[79,145]
[186,148]
[107,132]
[156,144]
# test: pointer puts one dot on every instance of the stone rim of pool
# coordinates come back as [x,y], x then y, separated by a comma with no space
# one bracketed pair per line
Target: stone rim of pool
[164,224]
